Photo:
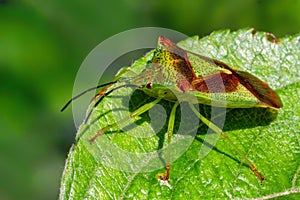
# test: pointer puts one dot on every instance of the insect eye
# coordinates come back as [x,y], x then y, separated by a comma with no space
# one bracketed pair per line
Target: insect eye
[149,85]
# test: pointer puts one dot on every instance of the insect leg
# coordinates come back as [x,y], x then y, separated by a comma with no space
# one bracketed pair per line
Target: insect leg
[132,115]
[166,177]
[219,131]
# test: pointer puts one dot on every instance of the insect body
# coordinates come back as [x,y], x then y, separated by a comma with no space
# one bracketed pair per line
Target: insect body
[177,75]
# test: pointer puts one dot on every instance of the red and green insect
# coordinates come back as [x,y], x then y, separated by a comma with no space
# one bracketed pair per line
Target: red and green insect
[174,74]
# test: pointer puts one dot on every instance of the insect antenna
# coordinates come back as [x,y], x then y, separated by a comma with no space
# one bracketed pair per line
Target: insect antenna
[105,95]
[82,93]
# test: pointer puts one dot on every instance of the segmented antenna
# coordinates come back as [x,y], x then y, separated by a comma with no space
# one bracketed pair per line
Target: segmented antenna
[103,96]
[82,93]
[97,95]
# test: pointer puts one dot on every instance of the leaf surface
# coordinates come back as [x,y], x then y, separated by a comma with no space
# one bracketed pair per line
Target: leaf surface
[92,171]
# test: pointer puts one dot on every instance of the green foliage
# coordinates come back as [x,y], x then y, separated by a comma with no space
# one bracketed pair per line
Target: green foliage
[43,43]
[272,144]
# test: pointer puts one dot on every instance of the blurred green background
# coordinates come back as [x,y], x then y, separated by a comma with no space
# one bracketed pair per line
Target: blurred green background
[43,43]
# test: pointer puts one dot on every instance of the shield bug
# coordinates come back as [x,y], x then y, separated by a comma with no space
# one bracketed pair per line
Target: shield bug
[173,72]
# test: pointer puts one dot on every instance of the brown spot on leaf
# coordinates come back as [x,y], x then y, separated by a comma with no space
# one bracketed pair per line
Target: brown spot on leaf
[253,31]
[272,38]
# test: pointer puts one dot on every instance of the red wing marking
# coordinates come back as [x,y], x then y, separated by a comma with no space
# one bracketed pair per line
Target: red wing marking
[216,83]
[257,87]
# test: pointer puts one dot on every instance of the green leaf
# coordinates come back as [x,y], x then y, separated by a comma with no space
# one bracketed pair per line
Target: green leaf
[91,170]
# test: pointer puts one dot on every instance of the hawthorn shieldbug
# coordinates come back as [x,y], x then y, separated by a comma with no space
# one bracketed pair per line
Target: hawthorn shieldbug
[174,72]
